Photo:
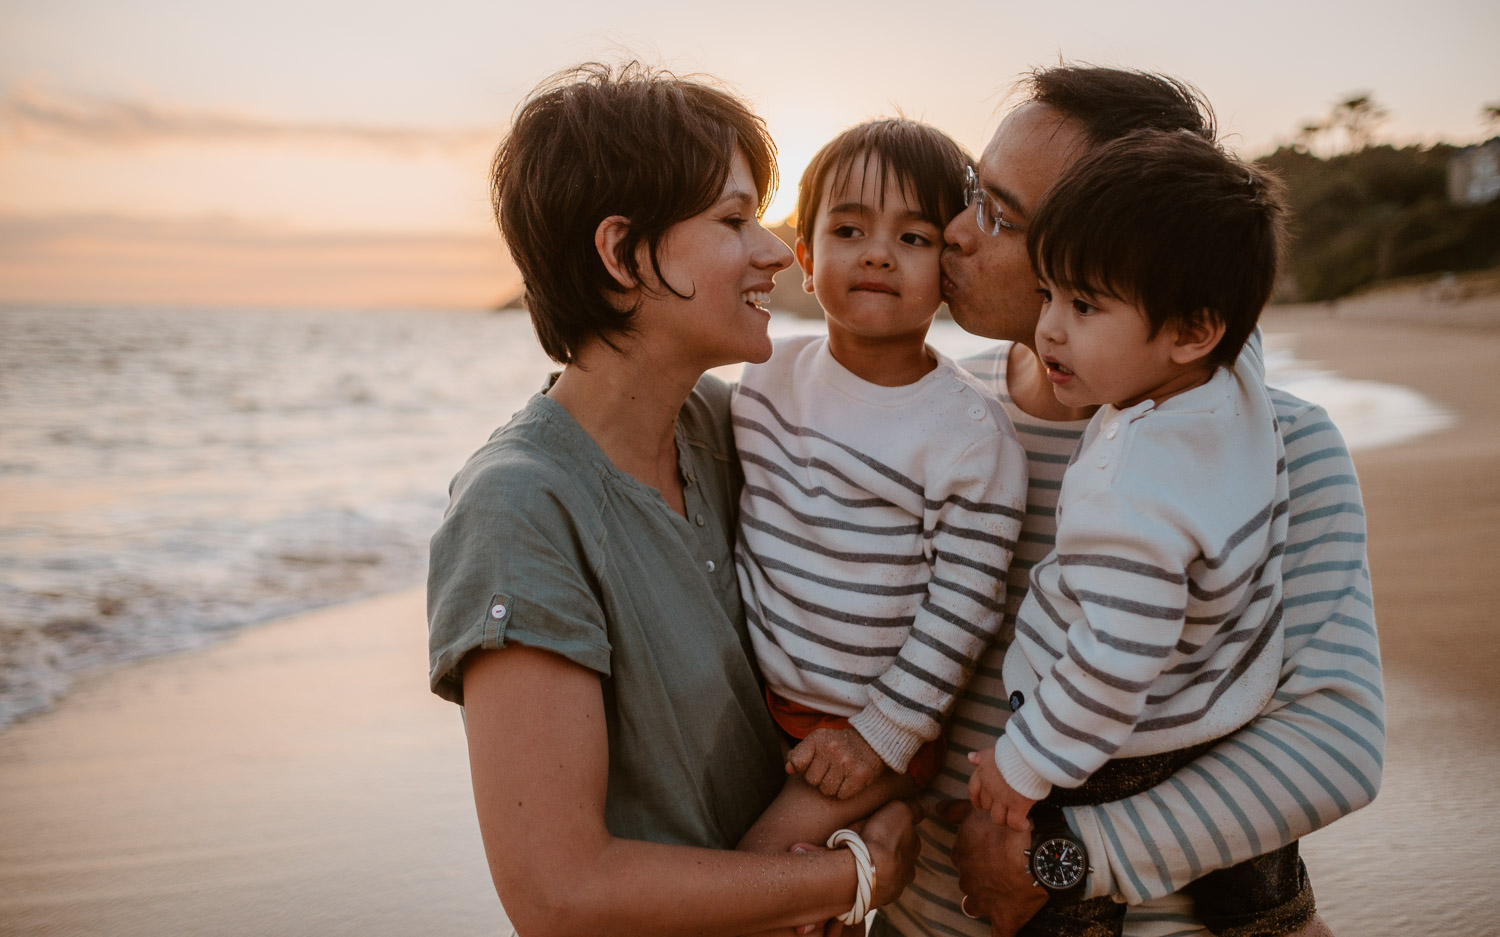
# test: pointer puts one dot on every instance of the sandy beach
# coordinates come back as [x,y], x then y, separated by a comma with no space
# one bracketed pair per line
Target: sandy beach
[300,779]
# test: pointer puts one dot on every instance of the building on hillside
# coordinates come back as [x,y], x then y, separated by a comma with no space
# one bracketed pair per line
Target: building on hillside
[1474,173]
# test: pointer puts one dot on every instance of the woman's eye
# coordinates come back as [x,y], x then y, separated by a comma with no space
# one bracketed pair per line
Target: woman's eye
[736,222]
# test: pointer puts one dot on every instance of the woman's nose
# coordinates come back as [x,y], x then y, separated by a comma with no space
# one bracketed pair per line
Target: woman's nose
[774,255]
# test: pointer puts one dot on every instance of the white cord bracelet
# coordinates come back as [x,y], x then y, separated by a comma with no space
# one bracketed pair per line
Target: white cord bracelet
[865,871]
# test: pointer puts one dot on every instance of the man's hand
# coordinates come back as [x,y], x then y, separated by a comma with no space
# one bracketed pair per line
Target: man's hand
[989,791]
[993,870]
[838,762]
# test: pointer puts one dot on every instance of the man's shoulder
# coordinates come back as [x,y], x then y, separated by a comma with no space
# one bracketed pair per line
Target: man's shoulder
[1307,431]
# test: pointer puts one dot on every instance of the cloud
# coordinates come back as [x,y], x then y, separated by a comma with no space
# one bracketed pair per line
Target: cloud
[27,114]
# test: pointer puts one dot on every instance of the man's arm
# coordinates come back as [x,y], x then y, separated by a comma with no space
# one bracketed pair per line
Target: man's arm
[1316,754]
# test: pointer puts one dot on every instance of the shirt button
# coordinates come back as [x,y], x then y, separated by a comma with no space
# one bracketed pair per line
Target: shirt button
[1111,431]
[497,612]
[699,519]
[711,566]
[957,387]
[976,412]
[1103,459]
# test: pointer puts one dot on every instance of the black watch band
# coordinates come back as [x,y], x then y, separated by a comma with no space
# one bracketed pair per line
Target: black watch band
[1059,863]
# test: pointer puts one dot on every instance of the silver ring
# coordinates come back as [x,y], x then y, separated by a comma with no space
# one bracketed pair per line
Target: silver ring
[963,905]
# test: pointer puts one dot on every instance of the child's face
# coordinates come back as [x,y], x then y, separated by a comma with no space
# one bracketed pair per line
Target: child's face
[1099,349]
[873,266]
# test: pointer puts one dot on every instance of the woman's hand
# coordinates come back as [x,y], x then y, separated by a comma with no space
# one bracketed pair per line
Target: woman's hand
[838,762]
[891,836]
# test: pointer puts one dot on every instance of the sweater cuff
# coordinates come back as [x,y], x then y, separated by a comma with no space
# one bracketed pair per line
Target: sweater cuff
[1085,823]
[894,743]
[1022,778]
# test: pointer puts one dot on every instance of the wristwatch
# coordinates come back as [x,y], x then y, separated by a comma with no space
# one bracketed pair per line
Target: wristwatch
[1059,863]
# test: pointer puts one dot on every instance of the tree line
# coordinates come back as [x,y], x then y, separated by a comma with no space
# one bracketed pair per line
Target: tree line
[1365,212]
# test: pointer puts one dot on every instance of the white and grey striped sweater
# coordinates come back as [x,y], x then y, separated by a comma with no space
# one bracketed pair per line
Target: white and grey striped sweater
[876,526]
[1155,622]
[1315,754]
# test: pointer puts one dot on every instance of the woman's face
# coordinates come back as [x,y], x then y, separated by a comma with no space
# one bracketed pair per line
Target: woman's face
[723,260]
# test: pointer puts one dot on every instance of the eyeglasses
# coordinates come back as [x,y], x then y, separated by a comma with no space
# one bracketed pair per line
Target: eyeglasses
[989,215]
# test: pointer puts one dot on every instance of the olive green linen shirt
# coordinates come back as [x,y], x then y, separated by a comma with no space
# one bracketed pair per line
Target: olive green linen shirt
[546,544]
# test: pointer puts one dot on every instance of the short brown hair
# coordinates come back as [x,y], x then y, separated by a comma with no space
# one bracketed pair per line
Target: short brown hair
[1112,102]
[595,141]
[1171,223]
[923,158]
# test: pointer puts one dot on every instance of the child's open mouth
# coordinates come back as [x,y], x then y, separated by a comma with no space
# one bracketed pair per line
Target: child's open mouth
[1057,367]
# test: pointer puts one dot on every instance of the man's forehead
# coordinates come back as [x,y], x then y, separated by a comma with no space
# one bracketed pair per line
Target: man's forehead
[1029,151]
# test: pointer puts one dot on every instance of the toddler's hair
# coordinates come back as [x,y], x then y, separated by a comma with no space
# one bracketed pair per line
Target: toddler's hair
[1169,222]
[925,161]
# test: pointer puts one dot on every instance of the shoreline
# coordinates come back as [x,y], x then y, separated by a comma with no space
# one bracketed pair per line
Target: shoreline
[299,778]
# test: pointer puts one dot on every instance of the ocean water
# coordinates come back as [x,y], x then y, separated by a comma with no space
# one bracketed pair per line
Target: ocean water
[169,476]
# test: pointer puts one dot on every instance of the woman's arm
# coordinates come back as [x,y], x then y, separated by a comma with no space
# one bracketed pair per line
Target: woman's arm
[539,755]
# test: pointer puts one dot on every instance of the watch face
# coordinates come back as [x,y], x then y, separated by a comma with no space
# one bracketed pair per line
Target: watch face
[1058,863]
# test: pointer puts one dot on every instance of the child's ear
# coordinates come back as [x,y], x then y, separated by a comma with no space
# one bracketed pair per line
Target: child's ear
[1195,339]
[607,240]
[804,260]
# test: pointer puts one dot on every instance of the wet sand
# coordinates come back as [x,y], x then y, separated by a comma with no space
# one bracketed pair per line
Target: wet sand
[299,778]
[1422,857]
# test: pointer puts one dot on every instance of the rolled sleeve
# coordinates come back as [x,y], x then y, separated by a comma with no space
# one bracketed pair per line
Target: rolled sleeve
[511,565]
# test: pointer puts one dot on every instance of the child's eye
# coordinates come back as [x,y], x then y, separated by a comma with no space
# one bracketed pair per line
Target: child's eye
[845,231]
[915,239]
[1045,293]
[1083,308]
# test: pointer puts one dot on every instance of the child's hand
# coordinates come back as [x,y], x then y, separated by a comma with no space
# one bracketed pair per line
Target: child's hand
[989,792]
[838,762]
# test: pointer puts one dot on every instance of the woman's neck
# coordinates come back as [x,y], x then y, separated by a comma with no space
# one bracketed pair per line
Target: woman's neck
[629,409]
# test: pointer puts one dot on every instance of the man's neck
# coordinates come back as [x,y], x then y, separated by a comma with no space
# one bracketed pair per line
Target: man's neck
[1026,380]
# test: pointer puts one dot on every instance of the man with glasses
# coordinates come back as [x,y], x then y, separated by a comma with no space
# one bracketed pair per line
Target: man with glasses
[1314,755]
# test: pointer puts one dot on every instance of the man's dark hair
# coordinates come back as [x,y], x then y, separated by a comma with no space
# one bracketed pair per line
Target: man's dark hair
[925,161]
[1169,222]
[1111,102]
[595,141]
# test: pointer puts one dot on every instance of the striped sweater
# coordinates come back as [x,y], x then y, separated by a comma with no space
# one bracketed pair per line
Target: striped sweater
[1314,755]
[876,526]
[1155,622]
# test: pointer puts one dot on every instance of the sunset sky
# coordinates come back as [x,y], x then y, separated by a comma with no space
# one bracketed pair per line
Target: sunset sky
[331,152]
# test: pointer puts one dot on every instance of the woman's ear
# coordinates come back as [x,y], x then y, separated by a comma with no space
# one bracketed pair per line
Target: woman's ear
[805,261]
[1196,338]
[607,240]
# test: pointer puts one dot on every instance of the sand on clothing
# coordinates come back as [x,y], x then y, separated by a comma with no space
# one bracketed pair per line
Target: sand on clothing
[300,779]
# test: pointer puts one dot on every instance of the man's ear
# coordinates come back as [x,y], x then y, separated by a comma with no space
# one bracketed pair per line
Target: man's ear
[1197,338]
[805,261]
[607,240]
